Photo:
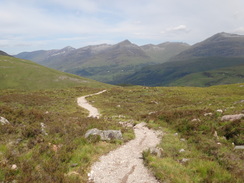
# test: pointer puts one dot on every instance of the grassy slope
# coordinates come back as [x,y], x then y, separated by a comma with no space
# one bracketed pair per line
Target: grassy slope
[165,74]
[171,109]
[24,144]
[211,159]
[217,77]
[22,74]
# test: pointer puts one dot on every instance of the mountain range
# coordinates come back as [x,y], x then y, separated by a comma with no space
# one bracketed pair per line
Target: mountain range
[216,60]
[105,63]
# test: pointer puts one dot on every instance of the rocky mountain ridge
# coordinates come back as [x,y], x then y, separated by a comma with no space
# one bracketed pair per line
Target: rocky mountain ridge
[105,62]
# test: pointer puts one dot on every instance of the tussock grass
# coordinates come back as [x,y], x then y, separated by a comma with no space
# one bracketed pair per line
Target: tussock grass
[175,108]
[52,157]
[64,155]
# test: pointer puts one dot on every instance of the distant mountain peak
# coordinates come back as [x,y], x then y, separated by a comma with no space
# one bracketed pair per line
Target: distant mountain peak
[68,48]
[224,36]
[125,42]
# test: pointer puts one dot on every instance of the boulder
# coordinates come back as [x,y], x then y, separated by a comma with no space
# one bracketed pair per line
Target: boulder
[234,117]
[105,134]
[4,121]
[111,135]
[239,147]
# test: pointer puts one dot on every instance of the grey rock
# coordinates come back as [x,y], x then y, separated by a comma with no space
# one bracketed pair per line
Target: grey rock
[4,121]
[111,135]
[234,117]
[93,131]
[239,147]
[105,134]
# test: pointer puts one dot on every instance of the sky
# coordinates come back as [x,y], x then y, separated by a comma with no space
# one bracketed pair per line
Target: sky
[28,25]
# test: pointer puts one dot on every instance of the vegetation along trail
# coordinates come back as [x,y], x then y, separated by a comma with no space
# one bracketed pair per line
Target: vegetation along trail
[125,164]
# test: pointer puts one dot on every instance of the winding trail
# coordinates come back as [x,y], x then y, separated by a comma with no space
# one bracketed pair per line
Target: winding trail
[82,102]
[125,164]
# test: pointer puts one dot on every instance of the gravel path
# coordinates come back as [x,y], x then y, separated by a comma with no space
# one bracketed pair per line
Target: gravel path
[125,164]
[82,102]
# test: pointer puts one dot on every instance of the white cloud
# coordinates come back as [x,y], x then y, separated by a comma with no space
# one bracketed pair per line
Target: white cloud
[53,23]
[176,29]
[239,30]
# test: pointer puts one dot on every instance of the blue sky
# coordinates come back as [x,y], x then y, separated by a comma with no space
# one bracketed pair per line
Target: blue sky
[28,25]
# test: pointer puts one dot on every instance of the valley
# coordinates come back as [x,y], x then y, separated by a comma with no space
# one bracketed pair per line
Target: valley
[166,64]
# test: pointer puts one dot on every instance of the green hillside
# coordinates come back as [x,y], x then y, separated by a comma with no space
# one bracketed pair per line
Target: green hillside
[216,77]
[167,73]
[22,74]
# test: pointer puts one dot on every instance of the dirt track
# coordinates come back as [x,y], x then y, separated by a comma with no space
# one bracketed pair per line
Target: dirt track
[82,102]
[125,164]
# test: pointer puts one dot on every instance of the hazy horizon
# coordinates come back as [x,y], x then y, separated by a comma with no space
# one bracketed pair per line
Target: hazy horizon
[30,25]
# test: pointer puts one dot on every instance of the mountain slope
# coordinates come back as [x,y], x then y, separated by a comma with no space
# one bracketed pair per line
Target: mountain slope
[223,76]
[219,51]
[163,52]
[219,45]
[3,53]
[105,62]
[166,73]
[22,74]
